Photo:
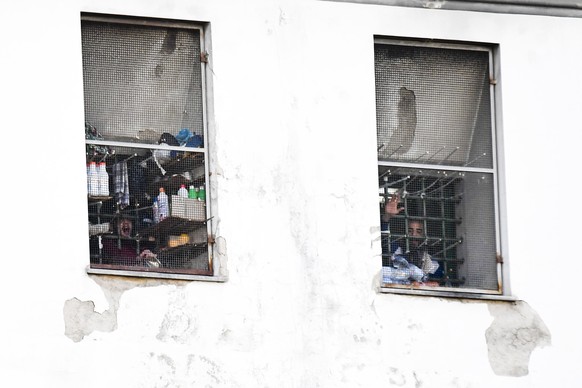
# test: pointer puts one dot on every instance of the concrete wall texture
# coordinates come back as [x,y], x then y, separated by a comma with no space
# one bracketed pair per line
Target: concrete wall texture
[297,224]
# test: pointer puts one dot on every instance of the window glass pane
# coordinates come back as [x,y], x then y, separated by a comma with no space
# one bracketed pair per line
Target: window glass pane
[433,105]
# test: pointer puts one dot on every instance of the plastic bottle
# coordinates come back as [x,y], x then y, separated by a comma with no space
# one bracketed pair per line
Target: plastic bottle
[192,193]
[93,180]
[163,205]
[103,180]
[202,193]
[182,192]
[156,211]
[88,180]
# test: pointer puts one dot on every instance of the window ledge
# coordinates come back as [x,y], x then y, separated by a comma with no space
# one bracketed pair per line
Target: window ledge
[447,294]
[561,8]
[156,275]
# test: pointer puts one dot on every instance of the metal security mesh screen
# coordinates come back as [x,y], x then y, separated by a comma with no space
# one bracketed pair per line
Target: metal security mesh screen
[433,105]
[437,202]
[139,79]
[126,226]
[146,160]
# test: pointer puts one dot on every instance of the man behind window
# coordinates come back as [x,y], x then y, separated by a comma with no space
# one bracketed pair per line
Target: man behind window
[413,248]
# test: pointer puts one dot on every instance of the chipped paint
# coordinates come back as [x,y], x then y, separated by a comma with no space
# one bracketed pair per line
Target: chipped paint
[516,331]
[80,317]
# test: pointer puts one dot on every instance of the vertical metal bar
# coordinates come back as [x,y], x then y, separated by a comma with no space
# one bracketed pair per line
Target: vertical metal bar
[406,216]
[443,232]
[424,212]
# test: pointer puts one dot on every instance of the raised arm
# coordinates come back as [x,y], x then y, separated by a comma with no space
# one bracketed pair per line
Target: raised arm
[391,207]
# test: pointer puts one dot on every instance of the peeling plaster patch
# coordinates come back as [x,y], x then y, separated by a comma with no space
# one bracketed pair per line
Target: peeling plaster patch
[80,317]
[513,335]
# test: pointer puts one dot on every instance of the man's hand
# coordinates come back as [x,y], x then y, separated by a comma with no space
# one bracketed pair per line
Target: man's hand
[391,208]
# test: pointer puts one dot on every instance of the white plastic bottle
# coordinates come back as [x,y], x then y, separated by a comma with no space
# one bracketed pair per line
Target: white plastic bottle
[163,205]
[103,180]
[156,211]
[93,180]
[183,192]
[88,180]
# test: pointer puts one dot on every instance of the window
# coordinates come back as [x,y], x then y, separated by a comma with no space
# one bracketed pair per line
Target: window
[146,146]
[437,169]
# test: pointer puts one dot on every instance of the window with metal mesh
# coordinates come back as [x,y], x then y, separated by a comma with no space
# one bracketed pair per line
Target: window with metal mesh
[436,168]
[145,145]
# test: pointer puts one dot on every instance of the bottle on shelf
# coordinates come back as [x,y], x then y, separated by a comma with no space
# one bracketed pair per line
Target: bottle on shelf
[192,192]
[93,180]
[182,192]
[156,211]
[163,204]
[202,193]
[103,180]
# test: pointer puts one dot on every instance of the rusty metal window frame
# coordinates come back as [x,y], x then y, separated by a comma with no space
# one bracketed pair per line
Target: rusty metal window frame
[212,273]
[502,291]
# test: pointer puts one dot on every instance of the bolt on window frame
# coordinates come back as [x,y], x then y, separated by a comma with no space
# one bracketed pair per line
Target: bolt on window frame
[386,165]
[212,271]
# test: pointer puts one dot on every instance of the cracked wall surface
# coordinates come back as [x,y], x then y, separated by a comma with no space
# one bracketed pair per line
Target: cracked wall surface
[301,307]
[80,317]
[516,331]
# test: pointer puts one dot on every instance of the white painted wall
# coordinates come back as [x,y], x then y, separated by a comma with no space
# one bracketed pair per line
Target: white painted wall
[297,207]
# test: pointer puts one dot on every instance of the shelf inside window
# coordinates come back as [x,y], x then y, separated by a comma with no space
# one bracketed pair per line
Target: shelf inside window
[171,226]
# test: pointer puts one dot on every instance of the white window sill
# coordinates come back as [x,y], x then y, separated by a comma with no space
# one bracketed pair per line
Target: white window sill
[446,293]
[156,275]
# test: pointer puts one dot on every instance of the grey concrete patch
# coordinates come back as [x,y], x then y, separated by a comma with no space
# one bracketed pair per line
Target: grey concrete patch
[512,337]
[80,317]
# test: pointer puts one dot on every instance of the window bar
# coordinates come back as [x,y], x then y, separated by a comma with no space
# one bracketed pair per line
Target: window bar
[406,215]
[424,213]
[428,218]
[444,234]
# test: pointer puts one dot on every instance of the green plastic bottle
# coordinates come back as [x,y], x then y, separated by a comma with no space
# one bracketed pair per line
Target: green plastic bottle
[202,194]
[192,192]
